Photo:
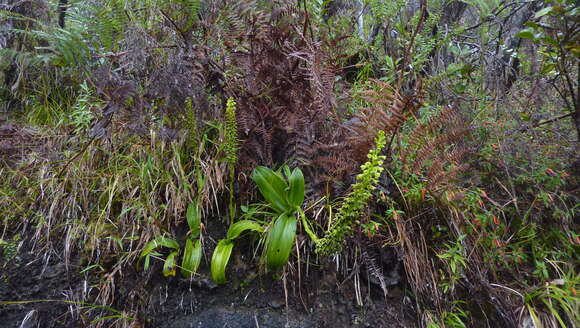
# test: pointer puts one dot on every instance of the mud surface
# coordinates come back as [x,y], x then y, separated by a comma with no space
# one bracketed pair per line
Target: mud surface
[41,285]
[48,292]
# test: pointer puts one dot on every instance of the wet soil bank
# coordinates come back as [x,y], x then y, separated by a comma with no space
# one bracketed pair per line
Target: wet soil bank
[43,292]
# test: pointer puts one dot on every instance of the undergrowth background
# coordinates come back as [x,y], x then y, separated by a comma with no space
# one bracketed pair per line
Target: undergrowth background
[445,132]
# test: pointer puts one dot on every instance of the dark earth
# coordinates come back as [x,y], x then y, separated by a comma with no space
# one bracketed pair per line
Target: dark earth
[43,284]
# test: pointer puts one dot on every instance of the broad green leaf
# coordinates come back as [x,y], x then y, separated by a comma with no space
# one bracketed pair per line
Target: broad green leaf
[547,39]
[527,33]
[219,260]
[169,266]
[280,241]
[191,258]
[543,12]
[533,25]
[193,219]
[272,186]
[160,241]
[237,228]
[296,195]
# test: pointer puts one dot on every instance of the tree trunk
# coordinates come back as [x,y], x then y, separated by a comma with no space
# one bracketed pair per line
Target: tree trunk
[62,6]
[577,104]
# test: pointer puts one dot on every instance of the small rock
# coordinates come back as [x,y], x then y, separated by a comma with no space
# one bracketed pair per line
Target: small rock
[275,304]
[205,283]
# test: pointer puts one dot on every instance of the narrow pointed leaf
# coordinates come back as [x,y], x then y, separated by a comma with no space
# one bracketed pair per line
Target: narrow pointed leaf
[193,219]
[169,266]
[237,228]
[160,241]
[296,195]
[280,241]
[147,262]
[219,260]
[286,170]
[307,228]
[191,258]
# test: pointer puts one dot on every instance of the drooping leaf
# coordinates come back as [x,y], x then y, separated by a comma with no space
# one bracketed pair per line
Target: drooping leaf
[169,266]
[272,187]
[237,228]
[193,219]
[279,241]
[191,258]
[296,195]
[160,241]
[219,260]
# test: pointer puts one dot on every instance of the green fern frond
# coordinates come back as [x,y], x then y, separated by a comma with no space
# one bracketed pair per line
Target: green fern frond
[316,9]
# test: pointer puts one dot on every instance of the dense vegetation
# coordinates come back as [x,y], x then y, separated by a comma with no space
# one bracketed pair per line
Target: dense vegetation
[155,137]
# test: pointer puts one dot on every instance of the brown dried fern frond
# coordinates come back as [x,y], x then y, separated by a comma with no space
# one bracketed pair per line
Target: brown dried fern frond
[435,148]
[388,111]
[448,117]
[390,108]
[445,177]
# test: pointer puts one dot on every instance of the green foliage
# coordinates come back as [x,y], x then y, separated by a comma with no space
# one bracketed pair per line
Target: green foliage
[223,251]
[239,227]
[273,188]
[191,257]
[193,216]
[231,142]
[284,194]
[159,242]
[280,240]
[354,203]
[230,146]
[191,125]
[9,248]
[454,256]
[509,217]
[556,299]
[192,252]
[219,260]
[82,113]
[455,318]
[316,10]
